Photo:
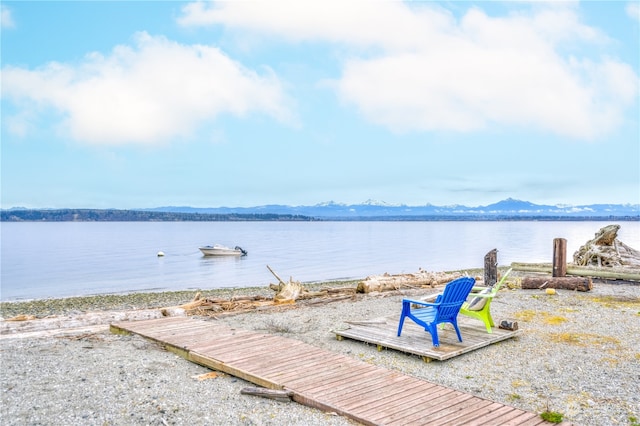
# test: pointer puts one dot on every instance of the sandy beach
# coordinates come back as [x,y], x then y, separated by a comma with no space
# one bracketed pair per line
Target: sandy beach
[578,354]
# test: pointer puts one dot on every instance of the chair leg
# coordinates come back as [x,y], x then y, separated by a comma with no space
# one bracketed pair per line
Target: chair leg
[405,310]
[488,322]
[433,330]
[400,324]
[455,325]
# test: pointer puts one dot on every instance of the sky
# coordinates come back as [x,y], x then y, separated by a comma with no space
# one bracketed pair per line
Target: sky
[143,104]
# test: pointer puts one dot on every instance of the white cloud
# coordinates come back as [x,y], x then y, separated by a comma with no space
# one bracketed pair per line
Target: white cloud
[633,10]
[385,23]
[145,94]
[6,20]
[417,68]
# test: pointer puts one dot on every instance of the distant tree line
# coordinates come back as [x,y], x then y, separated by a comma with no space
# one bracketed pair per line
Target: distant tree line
[110,215]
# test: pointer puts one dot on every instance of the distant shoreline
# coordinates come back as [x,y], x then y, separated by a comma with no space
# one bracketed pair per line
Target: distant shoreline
[115,215]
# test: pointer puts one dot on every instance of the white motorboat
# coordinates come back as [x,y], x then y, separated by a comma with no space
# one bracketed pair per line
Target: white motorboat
[220,250]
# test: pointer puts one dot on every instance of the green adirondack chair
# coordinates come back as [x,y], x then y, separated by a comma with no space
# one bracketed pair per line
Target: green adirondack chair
[479,304]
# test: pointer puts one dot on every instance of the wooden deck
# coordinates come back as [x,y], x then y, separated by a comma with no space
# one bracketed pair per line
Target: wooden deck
[322,379]
[414,340]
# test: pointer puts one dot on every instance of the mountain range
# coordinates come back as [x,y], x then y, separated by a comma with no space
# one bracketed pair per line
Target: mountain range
[509,208]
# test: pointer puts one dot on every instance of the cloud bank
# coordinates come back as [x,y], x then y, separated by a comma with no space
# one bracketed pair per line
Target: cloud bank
[418,68]
[409,67]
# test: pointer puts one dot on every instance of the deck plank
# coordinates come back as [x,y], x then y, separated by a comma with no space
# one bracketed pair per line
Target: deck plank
[228,346]
[349,392]
[330,381]
[506,418]
[372,383]
[329,374]
[464,414]
[301,358]
[429,404]
[503,413]
[329,377]
[402,391]
[388,406]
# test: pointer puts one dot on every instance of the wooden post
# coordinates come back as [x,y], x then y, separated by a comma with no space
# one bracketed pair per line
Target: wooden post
[559,258]
[491,268]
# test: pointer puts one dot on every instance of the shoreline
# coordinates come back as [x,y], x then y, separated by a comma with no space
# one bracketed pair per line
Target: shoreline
[75,305]
[42,308]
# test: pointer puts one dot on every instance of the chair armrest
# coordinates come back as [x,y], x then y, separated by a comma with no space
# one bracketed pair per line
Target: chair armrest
[483,294]
[506,274]
[503,279]
[420,302]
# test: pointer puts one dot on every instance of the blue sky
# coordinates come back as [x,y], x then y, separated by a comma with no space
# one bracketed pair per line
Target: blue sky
[144,104]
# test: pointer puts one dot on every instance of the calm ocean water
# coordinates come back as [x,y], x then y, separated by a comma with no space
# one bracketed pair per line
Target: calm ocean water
[43,260]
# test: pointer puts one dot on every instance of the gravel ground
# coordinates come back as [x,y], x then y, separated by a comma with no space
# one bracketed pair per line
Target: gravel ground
[578,354]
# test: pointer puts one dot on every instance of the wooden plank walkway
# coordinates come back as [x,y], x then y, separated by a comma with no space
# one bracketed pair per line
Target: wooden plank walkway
[414,340]
[322,379]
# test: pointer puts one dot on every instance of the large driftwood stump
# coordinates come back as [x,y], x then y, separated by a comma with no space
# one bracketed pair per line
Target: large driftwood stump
[566,283]
[286,292]
[605,250]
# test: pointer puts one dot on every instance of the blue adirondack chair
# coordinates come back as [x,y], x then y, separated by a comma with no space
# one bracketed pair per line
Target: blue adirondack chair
[444,309]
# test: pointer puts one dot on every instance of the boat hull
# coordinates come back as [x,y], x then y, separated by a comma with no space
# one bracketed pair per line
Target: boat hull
[222,251]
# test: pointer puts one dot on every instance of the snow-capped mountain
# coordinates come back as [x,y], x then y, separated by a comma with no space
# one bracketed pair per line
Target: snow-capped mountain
[509,208]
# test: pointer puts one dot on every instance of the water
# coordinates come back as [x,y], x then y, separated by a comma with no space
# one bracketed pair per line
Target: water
[43,260]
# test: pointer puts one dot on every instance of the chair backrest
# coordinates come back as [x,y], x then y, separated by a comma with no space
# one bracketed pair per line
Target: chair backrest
[454,295]
[482,299]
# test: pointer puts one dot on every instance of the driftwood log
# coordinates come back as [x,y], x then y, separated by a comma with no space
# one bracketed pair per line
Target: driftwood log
[277,394]
[566,283]
[582,271]
[213,305]
[605,250]
[287,294]
[387,282]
